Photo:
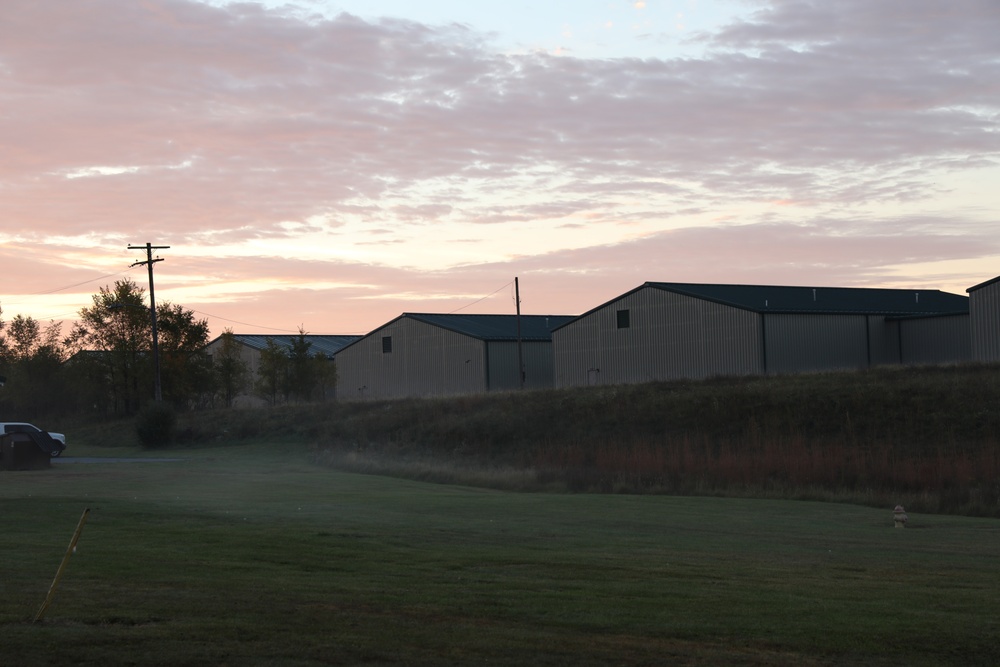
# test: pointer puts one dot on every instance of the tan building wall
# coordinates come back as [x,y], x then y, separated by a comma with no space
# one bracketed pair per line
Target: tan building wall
[250,357]
[249,354]
[984,313]
[667,336]
[797,343]
[410,358]
[502,359]
[654,334]
[936,340]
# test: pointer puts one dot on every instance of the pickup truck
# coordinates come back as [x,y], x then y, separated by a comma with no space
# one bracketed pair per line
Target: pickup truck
[24,427]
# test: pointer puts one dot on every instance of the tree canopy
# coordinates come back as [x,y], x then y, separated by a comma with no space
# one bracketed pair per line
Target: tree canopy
[106,365]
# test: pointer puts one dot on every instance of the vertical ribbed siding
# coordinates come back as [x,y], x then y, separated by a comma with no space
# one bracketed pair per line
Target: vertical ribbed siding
[883,340]
[670,336]
[425,361]
[801,343]
[503,358]
[936,340]
[984,310]
[248,356]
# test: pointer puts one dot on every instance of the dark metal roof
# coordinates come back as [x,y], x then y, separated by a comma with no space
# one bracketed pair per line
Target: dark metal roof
[496,327]
[983,284]
[816,300]
[842,300]
[328,345]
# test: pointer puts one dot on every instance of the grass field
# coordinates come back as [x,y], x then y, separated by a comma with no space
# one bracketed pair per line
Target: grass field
[253,555]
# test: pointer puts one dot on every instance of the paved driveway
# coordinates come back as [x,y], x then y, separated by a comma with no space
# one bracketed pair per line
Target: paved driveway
[108,459]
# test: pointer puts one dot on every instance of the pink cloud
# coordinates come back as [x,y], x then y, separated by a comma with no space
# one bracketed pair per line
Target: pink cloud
[218,125]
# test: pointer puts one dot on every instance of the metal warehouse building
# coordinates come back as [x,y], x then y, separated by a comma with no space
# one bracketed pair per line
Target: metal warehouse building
[664,331]
[984,310]
[251,345]
[419,354]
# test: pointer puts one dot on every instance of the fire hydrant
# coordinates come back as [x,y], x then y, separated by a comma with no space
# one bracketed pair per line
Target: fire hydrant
[899,517]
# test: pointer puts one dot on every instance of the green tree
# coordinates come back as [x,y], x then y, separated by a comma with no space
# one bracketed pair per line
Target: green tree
[24,337]
[326,376]
[272,372]
[113,338]
[31,361]
[301,368]
[185,369]
[231,372]
[112,351]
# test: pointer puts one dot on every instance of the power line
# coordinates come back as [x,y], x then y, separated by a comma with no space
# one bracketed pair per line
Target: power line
[74,314]
[59,289]
[63,316]
[246,324]
[483,299]
[66,287]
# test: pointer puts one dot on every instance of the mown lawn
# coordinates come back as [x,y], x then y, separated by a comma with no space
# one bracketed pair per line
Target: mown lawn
[252,555]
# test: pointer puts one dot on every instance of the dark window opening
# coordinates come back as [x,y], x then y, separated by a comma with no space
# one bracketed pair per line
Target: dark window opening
[623,319]
[386,344]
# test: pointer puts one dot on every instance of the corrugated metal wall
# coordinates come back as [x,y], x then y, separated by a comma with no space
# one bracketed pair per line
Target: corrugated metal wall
[425,361]
[984,310]
[538,361]
[883,340]
[669,336]
[813,342]
[936,340]
[248,356]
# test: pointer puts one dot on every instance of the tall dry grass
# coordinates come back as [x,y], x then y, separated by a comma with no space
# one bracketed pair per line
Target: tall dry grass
[926,437]
[966,482]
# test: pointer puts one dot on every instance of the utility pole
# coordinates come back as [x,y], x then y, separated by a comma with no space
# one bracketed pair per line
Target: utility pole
[149,248]
[520,353]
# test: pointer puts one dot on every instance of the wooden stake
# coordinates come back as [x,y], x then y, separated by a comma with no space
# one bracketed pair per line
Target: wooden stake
[62,566]
[520,352]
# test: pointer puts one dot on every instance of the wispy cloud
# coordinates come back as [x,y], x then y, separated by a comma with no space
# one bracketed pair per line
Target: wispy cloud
[815,142]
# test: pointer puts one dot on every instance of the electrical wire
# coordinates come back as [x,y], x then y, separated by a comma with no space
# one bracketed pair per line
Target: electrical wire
[65,287]
[483,299]
[218,317]
[60,289]
[246,324]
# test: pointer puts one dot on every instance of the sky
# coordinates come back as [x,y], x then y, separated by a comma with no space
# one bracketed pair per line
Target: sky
[327,166]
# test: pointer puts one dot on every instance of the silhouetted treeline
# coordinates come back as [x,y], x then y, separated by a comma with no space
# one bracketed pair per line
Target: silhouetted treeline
[105,366]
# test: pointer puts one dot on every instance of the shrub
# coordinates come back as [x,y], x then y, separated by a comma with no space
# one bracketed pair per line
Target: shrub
[155,424]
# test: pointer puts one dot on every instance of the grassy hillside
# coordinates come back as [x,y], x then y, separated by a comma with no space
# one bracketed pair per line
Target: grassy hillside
[925,437]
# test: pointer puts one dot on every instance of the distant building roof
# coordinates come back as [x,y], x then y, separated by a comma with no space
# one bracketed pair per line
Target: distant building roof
[983,284]
[490,327]
[328,345]
[845,300]
[495,327]
[817,300]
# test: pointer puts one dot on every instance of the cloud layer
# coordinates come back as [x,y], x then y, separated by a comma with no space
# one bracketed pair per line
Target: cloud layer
[333,172]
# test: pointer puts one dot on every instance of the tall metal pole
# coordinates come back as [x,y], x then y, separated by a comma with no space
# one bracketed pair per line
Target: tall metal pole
[157,390]
[520,353]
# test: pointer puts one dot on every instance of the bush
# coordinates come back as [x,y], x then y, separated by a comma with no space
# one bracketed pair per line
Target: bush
[155,424]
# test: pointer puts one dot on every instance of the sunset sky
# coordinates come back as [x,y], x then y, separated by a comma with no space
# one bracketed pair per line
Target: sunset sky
[330,165]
